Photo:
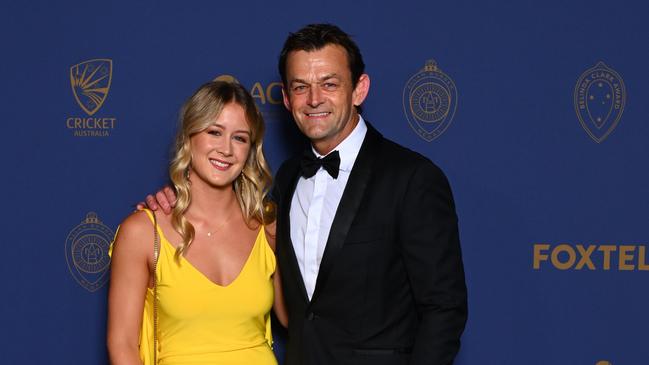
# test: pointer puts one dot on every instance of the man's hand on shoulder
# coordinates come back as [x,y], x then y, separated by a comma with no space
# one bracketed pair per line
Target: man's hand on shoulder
[164,199]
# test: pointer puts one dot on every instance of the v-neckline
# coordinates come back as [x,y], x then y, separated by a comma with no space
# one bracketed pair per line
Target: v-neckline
[200,273]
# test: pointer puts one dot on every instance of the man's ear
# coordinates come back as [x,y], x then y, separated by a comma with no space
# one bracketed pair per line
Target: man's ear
[361,90]
[287,103]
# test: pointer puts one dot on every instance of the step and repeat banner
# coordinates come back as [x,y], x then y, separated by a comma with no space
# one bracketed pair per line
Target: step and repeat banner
[536,111]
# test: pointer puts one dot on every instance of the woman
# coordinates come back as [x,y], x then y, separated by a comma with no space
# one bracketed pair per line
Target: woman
[216,273]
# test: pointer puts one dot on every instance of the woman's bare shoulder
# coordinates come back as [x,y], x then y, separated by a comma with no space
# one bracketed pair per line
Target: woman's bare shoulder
[135,233]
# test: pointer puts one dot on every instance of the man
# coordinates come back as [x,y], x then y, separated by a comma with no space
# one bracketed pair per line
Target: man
[367,234]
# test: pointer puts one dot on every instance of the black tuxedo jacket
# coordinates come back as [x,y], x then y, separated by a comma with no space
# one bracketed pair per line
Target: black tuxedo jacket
[390,289]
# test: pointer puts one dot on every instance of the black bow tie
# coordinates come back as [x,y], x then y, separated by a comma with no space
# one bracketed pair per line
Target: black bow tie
[310,164]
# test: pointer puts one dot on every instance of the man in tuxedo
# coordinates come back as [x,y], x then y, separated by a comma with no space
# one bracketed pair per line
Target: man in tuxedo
[367,232]
[367,236]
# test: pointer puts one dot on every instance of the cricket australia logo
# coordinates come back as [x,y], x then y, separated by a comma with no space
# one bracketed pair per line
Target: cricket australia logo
[90,82]
[599,99]
[430,101]
[86,252]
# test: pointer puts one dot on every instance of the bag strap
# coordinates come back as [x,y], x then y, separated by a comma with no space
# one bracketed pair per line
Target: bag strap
[156,253]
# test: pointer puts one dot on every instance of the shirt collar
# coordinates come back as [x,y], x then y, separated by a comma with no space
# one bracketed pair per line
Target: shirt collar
[350,146]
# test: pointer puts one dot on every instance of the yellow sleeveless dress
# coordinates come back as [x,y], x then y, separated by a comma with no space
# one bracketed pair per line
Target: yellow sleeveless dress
[200,322]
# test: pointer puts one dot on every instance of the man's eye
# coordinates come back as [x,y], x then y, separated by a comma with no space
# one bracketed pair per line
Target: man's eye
[330,85]
[299,88]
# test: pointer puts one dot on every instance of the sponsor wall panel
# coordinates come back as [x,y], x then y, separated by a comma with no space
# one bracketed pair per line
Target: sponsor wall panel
[534,111]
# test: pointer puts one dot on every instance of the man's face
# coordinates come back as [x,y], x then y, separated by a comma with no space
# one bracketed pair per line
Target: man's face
[320,95]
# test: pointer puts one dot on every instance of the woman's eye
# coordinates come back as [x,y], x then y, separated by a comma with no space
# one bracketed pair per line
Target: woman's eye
[215,132]
[241,139]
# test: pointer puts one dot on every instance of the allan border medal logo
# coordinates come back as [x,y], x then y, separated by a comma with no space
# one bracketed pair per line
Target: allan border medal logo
[268,97]
[90,81]
[599,100]
[86,252]
[429,101]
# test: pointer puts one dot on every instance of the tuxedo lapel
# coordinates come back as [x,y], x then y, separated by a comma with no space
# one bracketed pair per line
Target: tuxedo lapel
[285,238]
[348,207]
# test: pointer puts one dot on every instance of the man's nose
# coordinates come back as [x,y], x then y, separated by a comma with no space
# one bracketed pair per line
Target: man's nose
[315,97]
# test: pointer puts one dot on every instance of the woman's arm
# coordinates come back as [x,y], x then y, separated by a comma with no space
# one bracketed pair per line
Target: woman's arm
[278,305]
[130,276]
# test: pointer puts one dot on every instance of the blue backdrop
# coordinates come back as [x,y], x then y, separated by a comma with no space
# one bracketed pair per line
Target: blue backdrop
[535,110]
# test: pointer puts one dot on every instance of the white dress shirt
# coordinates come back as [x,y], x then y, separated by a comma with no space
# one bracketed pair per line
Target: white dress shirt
[314,206]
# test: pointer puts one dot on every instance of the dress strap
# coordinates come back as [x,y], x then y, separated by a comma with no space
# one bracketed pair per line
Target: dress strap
[149,214]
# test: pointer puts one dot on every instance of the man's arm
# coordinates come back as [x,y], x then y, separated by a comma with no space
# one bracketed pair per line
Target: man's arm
[431,249]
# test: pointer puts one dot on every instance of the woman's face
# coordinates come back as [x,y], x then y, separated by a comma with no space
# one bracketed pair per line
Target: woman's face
[219,152]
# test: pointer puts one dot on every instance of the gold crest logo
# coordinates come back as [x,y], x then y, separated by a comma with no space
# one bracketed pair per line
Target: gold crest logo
[86,252]
[599,100]
[430,101]
[90,82]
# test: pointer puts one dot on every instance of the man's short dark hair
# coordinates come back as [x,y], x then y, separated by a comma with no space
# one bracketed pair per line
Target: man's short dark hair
[314,37]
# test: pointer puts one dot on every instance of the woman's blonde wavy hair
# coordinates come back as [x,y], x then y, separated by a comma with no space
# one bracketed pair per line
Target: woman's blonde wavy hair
[251,186]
